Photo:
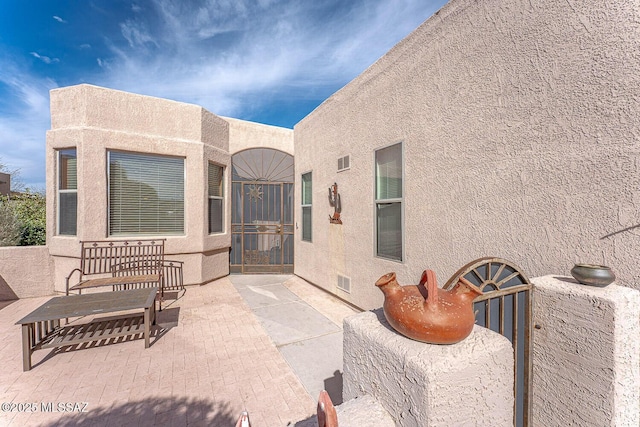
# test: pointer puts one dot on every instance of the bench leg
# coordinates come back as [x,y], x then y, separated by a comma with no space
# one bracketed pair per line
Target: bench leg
[26,346]
[147,325]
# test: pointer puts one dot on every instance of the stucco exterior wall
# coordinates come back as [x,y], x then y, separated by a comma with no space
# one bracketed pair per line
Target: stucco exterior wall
[244,135]
[95,120]
[25,271]
[520,136]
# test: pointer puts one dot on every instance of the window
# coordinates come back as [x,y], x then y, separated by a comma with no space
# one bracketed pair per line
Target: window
[146,194]
[216,201]
[67,192]
[306,207]
[389,218]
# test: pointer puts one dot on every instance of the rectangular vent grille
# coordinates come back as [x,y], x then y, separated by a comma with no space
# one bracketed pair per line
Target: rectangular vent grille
[343,163]
[344,283]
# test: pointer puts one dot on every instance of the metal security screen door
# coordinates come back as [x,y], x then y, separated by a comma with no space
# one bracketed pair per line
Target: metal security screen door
[262,212]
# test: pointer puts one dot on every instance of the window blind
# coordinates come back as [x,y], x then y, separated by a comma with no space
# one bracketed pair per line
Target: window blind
[389,172]
[306,189]
[67,192]
[306,206]
[216,193]
[215,180]
[389,227]
[68,170]
[146,194]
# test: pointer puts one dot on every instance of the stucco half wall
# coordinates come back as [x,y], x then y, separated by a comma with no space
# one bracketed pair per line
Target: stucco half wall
[520,137]
[25,271]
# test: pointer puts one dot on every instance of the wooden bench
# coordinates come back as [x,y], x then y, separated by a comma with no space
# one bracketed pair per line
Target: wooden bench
[121,264]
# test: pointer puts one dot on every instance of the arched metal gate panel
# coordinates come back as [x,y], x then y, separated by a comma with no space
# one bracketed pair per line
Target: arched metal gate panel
[262,212]
[505,308]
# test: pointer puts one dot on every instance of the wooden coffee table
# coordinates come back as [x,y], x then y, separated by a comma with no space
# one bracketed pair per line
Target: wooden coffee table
[41,328]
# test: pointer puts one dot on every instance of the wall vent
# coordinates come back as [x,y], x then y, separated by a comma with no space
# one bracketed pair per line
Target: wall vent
[343,163]
[344,283]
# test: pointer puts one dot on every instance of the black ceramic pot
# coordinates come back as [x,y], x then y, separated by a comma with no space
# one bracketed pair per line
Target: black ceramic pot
[593,275]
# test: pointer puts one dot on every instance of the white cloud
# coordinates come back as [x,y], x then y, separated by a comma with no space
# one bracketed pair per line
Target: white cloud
[233,57]
[136,34]
[57,18]
[224,52]
[44,59]
[23,126]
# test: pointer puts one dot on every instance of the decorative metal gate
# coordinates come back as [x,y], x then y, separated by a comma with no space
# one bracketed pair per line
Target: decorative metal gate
[505,307]
[262,212]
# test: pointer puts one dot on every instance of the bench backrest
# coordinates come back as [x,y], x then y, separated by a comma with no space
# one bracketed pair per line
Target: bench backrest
[99,257]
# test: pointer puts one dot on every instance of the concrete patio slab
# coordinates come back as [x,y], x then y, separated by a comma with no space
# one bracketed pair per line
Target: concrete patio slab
[318,364]
[305,323]
[293,321]
[258,296]
[241,280]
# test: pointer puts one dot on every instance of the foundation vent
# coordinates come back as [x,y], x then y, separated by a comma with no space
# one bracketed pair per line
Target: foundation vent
[344,283]
[343,163]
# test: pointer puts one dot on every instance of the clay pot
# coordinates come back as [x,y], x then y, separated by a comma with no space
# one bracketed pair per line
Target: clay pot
[327,415]
[429,314]
[593,275]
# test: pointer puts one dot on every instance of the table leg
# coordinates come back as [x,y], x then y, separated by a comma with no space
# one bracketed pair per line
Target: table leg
[26,346]
[147,326]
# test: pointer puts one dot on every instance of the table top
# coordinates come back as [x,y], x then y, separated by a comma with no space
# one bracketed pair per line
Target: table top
[88,304]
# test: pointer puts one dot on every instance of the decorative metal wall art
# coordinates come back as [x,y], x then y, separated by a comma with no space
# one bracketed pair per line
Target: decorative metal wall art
[334,201]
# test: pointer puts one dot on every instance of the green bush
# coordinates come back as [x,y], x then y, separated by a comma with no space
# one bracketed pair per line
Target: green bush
[29,213]
[9,225]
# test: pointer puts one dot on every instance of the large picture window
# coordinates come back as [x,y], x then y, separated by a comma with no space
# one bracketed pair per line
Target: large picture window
[146,194]
[216,198]
[306,206]
[67,192]
[389,193]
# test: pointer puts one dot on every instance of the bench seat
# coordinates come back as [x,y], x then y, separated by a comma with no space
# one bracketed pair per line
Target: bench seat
[117,282]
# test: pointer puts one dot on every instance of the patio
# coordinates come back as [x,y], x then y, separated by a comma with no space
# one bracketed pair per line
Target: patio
[265,344]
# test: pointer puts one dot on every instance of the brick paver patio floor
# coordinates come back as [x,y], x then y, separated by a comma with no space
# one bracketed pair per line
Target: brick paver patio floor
[211,361]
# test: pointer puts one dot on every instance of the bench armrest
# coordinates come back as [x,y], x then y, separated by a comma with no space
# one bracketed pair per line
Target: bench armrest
[69,277]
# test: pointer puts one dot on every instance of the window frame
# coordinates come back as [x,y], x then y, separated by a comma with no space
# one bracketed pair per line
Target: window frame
[110,232]
[60,191]
[221,198]
[308,206]
[396,200]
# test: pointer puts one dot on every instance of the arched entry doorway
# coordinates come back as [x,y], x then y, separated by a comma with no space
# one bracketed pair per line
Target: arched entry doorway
[262,212]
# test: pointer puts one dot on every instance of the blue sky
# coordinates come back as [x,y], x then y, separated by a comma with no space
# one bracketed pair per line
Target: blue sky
[267,61]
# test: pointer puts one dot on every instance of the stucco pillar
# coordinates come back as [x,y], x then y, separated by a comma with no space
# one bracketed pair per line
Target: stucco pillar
[468,383]
[586,354]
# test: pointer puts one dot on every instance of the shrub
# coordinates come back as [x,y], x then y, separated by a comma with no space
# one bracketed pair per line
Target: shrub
[29,212]
[9,225]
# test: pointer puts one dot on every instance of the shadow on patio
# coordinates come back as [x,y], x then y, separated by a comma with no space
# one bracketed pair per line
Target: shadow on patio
[152,411]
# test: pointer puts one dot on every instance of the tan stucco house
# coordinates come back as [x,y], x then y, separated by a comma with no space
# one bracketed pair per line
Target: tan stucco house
[502,128]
